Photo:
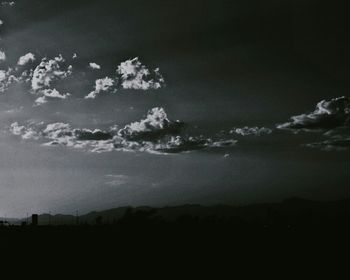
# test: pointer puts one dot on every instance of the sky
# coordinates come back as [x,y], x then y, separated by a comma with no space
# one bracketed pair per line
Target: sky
[113,103]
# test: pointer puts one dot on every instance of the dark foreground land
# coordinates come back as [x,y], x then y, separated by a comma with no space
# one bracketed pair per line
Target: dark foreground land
[218,226]
[223,249]
[289,236]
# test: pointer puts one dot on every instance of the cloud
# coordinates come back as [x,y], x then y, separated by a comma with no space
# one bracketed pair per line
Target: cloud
[101,85]
[154,134]
[1,22]
[59,134]
[131,74]
[337,139]
[8,3]
[3,75]
[155,125]
[331,117]
[221,143]
[2,56]
[23,60]
[327,115]
[7,78]
[116,180]
[44,74]
[94,66]
[247,131]
[48,71]
[41,79]
[183,144]
[49,94]
[335,144]
[96,134]
[13,110]
[135,75]
[24,132]
[178,144]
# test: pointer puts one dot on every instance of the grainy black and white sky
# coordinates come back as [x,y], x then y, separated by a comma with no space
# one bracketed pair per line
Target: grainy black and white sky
[111,103]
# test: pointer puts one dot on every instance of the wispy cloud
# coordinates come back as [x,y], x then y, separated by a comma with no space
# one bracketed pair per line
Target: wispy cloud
[115,180]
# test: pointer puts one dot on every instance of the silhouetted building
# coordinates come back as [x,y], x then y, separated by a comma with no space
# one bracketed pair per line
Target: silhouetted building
[35,219]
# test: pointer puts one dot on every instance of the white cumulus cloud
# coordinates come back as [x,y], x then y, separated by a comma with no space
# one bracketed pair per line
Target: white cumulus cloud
[154,134]
[247,131]
[328,114]
[101,85]
[2,56]
[23,60]
[135,75]
[94,66]
[48,71]
[48,94]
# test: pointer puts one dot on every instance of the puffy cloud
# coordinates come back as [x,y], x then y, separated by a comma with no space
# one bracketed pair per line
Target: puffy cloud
[8,3]
[327,115]
[247,131]
[135,75]
[59,133]
[40,79]
[331,117]
[24,132]
[40,101]
[101,85]
[153,134]
[63,134]
[7,77]
[178,144]
[44,75]
[50,94]
[131,74]
[94,66]
[156,124]
[53,93]
[2,75]
[48,71]
[23,60]
[2,56]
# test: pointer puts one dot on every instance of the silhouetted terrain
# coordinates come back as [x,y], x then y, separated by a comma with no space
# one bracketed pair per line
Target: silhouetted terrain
[290,213]
[282,226]
[293,212]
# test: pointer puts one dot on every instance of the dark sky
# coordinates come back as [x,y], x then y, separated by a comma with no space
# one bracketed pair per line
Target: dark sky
[226,65]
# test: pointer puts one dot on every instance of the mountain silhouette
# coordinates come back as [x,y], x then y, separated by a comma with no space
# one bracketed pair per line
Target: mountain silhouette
[292,211]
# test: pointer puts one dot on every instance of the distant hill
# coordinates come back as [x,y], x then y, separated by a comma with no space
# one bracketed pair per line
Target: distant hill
[288,212]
